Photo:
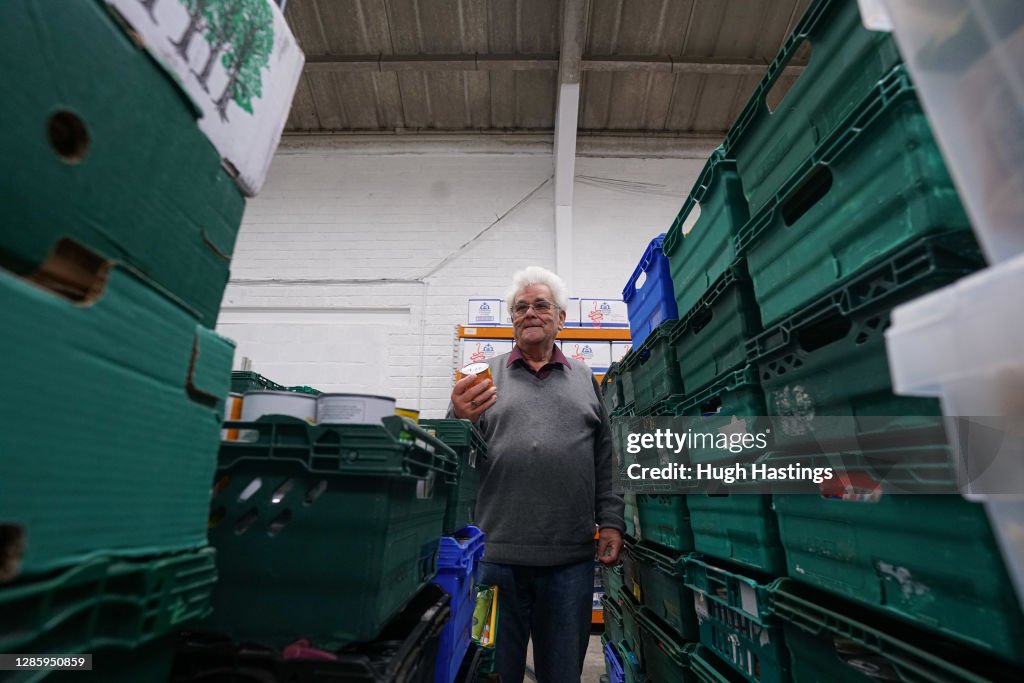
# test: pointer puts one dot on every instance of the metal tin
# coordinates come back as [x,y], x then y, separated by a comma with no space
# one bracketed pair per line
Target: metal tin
[353,408]
[256,404]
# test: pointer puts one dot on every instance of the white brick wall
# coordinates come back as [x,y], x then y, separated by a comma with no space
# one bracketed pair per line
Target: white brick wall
[354,264]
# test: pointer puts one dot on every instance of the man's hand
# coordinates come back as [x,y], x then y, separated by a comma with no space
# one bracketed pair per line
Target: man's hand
[609,544]
[470,400]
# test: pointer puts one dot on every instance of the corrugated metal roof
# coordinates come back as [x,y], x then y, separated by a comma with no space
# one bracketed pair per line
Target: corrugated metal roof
[648,65]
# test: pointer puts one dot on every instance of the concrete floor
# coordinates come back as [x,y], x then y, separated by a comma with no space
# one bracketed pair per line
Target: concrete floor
[593,665]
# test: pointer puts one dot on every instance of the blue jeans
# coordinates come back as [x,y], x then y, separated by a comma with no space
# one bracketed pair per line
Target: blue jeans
[551,604]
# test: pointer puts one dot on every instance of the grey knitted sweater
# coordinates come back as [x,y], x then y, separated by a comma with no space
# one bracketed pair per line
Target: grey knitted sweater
[548,475]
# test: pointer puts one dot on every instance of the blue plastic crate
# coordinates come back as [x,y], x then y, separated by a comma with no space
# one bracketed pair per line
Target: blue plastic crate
[650,299]
[616,672]
[457,561]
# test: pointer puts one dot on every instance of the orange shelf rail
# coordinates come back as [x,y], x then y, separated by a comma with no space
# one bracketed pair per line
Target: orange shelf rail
[573,333]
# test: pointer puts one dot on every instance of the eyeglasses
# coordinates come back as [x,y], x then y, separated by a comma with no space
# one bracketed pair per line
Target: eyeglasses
[540,307]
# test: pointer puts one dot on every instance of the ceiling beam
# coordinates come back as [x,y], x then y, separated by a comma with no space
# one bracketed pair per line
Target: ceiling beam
[574,34]
[573,64]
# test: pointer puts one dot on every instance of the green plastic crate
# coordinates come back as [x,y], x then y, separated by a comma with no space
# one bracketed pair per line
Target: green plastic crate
[632,515]
[738,527]
[709,668]
[653,369]
[148,188]
[927,559]
[325,531]
[831,640]
[733,397]
[663,591]
[303,389]
[612,579]
[710,340]
[122,466]
[879,184]
[471,450]
[665,520]
[613,627]
[699,258]
[630,569]
[666,657]
[846,62]
[245,380]
[106,602]
[630,626]
[736,621]
[611,389]
[630,663]
[829,358]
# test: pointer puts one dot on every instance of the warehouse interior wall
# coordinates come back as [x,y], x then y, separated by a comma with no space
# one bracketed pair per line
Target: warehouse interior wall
[354,264]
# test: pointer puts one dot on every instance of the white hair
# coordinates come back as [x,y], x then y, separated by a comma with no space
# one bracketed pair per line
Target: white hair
[535,275]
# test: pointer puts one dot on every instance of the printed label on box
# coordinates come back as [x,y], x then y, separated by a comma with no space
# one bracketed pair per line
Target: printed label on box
[484,312]
[596,354]
[479,350]
[238,62]
[619,350]
[603,313]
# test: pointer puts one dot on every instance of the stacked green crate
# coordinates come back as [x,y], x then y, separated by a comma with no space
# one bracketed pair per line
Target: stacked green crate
[710,340]
[632,641]
[699,244]
[829,357]
[666,657]
[94,120]
[652,370]
[736,621]
[735,526]
[901,554]
[770,141]
[611,389]
[665,520]
[875,185]
[111,294]
[109,607]
[325,531]
[471,453]
[831,640]
[245,380]
[663,591]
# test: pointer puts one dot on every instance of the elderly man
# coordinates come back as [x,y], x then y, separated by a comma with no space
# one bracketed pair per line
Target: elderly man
[547,482]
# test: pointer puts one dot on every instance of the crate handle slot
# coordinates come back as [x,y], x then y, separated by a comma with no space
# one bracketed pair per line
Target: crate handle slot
[250,490]
[811,191]
[282,491]
[777,94]
[246,521]
[821,334]
[278,524]
[314,493]
[73,272]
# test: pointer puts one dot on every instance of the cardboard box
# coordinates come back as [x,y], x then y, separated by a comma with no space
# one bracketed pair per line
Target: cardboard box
[240,64]
[603,313]
[121,465]
[619,350]
[479,350]
[572,313]
[101,145]
[596,354]
[484,312]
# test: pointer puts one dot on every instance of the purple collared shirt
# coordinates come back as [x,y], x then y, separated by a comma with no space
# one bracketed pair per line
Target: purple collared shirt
[557,357]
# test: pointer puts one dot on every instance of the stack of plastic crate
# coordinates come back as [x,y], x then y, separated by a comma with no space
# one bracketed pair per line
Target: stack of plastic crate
[324,532]
[112,270]
[852,213]
[471,454]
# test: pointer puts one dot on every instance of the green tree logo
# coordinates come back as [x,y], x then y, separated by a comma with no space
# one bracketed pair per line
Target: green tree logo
[248,53]
[196,15]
